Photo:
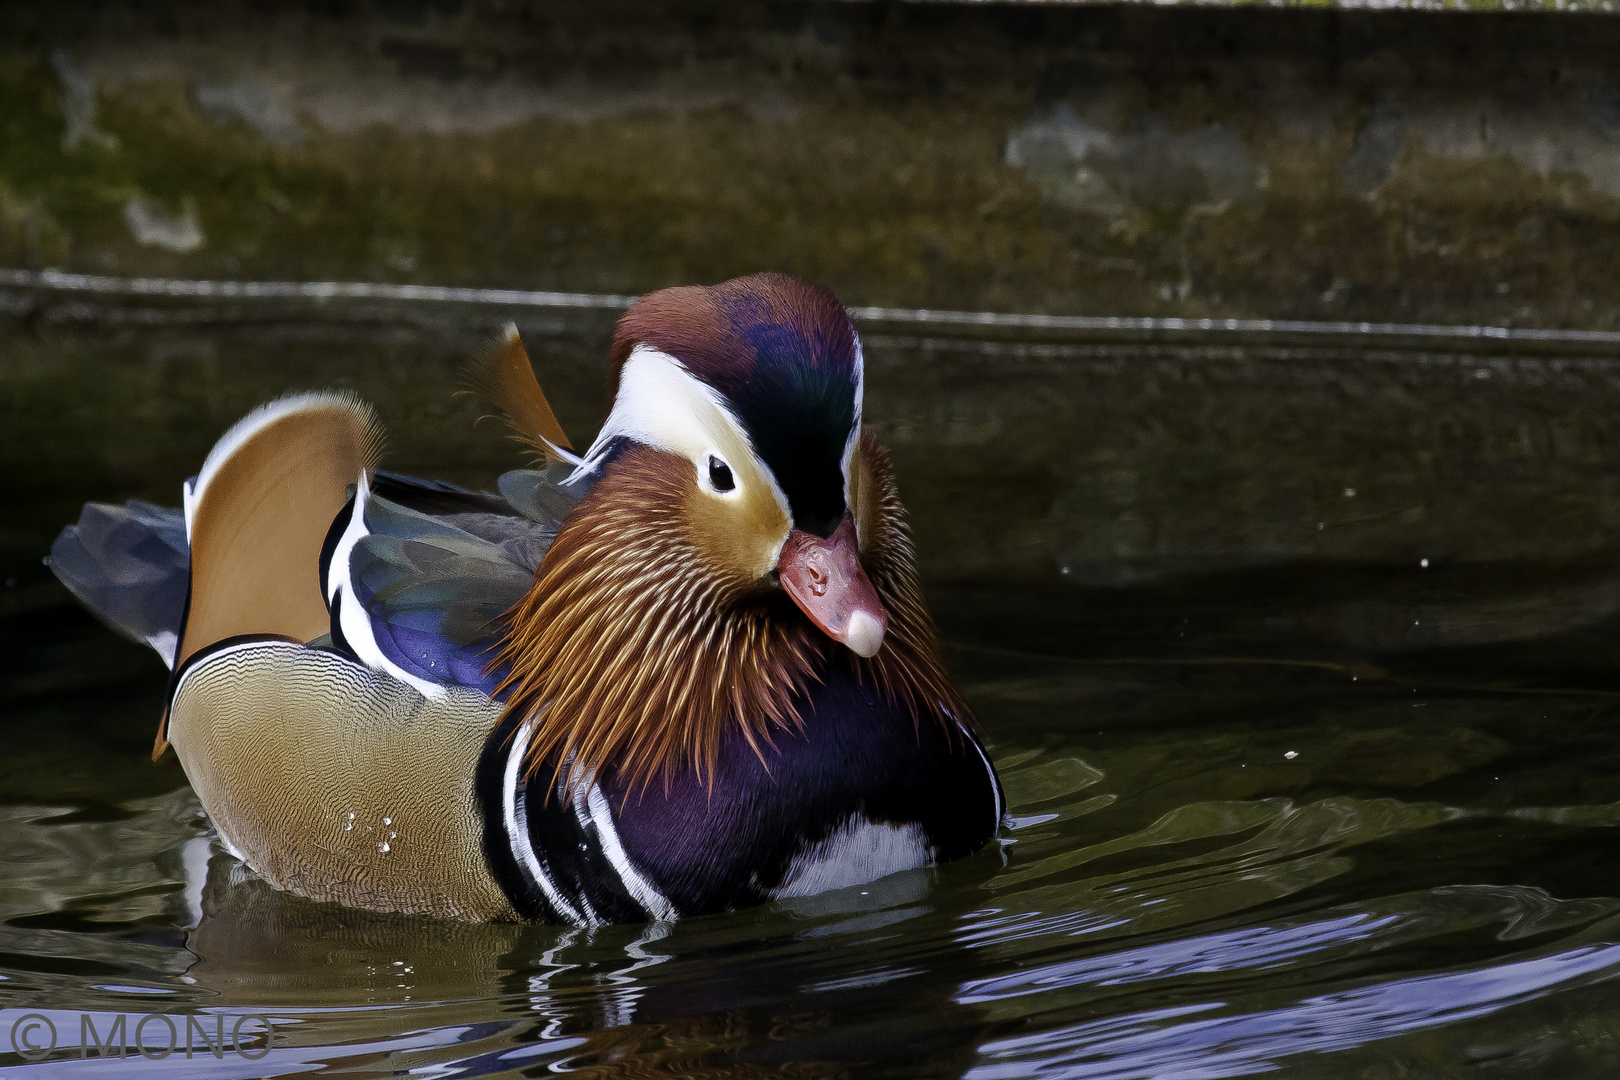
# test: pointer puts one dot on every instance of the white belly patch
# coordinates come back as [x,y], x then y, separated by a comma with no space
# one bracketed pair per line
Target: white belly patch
[858,851]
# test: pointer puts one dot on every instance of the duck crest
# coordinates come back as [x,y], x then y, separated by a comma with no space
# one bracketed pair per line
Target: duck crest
[627,654]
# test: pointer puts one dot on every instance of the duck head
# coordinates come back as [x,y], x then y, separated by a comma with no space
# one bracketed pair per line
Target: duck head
[741,533]
[755,386]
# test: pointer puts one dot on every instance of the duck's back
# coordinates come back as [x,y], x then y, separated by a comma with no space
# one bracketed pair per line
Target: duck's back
[341,767]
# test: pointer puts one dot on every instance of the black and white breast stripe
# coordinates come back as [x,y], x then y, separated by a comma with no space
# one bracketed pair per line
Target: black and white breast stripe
[515,821]
[999,796]
[557,853]
[995,781]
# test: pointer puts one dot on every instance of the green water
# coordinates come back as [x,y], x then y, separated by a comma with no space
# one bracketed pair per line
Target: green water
[1296,661]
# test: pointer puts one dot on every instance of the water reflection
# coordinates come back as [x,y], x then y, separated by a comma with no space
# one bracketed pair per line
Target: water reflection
[777,988]
[1250,947]
[1168,1042]
[822,982]
[1513,913]
[165,1056]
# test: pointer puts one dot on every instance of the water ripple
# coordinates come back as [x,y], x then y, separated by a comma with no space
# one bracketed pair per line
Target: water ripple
[1166,1045]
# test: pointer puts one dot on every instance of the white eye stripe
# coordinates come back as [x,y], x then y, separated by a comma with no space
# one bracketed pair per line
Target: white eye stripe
[662,405]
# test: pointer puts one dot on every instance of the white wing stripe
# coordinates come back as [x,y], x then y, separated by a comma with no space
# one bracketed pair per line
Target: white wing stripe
[352,615]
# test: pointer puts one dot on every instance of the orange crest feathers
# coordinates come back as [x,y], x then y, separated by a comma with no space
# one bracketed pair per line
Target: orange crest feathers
[631,651]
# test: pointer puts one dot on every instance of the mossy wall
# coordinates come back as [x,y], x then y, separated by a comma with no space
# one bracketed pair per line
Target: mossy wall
[1329,164]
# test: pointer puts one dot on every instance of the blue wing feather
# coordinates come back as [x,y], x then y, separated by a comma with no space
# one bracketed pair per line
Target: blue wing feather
[541,494]
[435,589]
[130,565]
[435,577]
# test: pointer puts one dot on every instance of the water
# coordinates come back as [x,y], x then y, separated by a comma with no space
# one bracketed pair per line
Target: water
[1296,661]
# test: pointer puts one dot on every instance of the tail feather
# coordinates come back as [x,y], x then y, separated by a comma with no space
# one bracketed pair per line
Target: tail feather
[129,565]
[257,517]
[261,509]
[506,377]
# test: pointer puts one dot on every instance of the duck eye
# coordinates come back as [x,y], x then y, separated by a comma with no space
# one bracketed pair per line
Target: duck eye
[720,475]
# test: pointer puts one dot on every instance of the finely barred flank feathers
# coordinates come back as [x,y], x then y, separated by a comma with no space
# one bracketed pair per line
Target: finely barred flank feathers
[908,669]
[633,650]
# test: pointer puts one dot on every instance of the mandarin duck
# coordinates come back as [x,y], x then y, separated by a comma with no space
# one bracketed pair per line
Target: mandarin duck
[687,671]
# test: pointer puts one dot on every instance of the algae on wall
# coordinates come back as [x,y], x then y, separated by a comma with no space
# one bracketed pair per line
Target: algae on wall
[1309,164]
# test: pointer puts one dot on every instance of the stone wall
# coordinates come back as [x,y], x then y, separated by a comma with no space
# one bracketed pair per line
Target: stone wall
[1317,164]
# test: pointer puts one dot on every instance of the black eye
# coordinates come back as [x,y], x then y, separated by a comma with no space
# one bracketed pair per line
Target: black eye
[720,475]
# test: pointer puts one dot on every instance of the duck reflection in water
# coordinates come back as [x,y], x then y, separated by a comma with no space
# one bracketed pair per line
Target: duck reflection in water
[744,994]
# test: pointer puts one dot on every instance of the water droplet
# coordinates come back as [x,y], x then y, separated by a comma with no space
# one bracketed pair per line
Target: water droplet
[388,821]
[351,815]
[347,825]
[383,847]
